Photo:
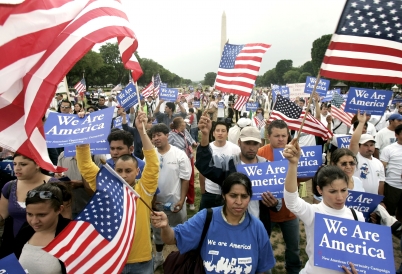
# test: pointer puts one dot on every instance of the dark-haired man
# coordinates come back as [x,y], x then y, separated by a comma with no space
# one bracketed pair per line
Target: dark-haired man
[101,103]
[167,117]
[65,107]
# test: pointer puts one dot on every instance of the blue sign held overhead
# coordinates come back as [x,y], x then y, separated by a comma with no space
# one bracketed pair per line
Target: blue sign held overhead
[275,91]
[364,202]
[7,167]
[252,106]
[321,88]
[285,92]
[343,141]
[196,104]
[338,241]
[168,94]
[127,98]
[267,176]
[371,101]
[63,130]
[328,96]
[101,147]
[309,162]
[163,85]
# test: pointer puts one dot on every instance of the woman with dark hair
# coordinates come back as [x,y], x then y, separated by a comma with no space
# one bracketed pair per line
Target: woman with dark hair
[223,237]
[345,160]
[44,205]
[181,138]
[77,108]
[12,203]
[332,185]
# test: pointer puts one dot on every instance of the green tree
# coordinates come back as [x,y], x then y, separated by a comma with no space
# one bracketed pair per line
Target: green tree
[291,76]
[281,68]
[209,78]
[320,45]
[259,82]
[269,78]
[307,67]
[303,76]
[92,62]
[111,56]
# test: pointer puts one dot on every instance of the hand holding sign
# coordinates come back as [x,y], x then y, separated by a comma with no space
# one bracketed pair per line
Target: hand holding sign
[362,118]
[140,121]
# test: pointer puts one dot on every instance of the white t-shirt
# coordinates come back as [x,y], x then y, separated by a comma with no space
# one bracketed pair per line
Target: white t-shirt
[371,172]
[392,155]
[306,139]
[339,128]
[370,129]
[324,120]
[174,166]
[384,138]
[228,149]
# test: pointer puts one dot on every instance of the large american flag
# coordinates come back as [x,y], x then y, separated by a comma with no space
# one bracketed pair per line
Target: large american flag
[292,114]
[148,90]
[100,238]
[240,102]
[338,109]
[238,68]
[367,44]
[46,38]
[80,86]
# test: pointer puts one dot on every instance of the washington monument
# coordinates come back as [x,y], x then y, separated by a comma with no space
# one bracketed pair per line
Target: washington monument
[223,33]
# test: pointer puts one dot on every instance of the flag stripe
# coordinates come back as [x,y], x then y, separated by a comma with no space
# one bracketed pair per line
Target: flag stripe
[381,63]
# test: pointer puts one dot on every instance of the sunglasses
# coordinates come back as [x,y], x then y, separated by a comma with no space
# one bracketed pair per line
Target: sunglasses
[64,107]
[46,195]
[346,163]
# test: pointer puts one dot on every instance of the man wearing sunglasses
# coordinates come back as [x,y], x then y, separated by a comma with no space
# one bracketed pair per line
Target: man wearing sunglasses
[369,169]
[65,107]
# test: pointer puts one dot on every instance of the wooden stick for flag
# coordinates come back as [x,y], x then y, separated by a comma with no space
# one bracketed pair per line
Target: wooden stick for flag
[308,106]
[139,105]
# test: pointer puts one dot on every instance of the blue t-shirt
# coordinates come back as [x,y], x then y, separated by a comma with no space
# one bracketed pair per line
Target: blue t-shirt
[244,248]
[141,165]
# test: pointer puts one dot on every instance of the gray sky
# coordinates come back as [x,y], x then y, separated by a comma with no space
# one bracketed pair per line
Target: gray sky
[184,36]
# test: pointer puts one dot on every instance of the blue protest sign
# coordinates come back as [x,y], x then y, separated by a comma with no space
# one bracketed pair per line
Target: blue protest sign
[118,122]
[372,101]
[163,85]
[343,141]
[309,162]
[127,98]
[328,96]
[344,96]
[168,94]
[275,91]
[364,202]
[321,88]
[338,241]
[101,147]
[251,106]
[396,100]
[11,265]
[221,105]
[267,176]
[285,92]
[7,167]
[63,130]
[196,104]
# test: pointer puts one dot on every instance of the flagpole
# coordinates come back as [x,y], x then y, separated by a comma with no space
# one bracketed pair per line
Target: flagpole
[308,106]
[139,105]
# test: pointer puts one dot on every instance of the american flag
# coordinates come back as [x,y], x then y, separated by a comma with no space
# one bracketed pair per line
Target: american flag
[58,34]
[100,238]
[238,68]
[157,82]
[337,109]
[240,102]
[148,90]
[293,115]
[367,44]
[136,70]
[80,86]
[259,123]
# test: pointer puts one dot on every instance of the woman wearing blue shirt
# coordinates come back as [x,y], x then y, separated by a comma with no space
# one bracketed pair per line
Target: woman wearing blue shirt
[236,241]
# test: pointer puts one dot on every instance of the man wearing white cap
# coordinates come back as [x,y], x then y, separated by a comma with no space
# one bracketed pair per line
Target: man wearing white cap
[386,136]
[234,132]
[369,169]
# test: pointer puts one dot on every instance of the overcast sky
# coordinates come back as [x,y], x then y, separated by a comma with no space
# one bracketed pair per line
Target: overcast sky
[184,36]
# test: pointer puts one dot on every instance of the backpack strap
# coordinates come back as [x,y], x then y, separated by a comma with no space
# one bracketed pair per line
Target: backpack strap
[354,214]
[206,227]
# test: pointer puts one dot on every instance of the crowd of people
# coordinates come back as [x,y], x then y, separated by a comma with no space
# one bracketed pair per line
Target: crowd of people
[157,151]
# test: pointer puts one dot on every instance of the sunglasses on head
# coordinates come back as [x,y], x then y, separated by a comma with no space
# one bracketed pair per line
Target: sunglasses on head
[46,195]
[346,163]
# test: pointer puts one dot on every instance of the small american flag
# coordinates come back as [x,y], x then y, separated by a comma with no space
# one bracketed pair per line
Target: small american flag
[259,123]
[100,238]
[238,68]
[293,115]
[148,90]
[240,102]
[367,44]
[80,86]
[157,82]
[337,109]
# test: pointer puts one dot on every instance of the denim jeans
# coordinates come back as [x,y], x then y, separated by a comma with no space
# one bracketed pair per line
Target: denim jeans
[139,268]
[291,236]
[194,133]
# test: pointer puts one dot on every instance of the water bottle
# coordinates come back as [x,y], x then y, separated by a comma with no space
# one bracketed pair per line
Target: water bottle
[169,206]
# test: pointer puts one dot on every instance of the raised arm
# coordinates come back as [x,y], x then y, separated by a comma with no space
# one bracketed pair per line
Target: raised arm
[292,153]
[158,106]
[354,141]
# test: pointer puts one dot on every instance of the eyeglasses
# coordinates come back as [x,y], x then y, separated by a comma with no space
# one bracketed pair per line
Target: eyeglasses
[46,195]
[64,107]
[346,163]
